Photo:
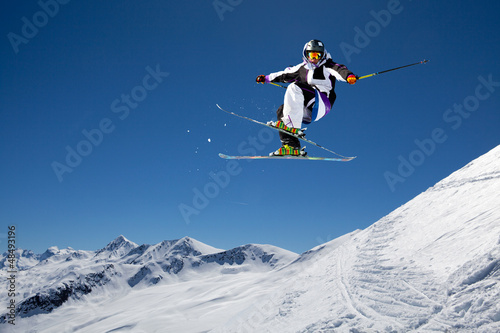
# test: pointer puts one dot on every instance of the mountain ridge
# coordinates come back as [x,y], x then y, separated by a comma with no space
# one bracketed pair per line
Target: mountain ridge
[75,274]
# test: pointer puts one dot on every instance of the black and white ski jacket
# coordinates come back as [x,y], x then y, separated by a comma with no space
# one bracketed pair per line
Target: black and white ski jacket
[321,76]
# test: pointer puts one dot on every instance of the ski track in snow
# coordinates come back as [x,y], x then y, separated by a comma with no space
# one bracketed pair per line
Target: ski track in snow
[432,265]
[388,289]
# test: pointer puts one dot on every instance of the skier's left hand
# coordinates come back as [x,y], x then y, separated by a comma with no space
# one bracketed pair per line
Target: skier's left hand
[351,79]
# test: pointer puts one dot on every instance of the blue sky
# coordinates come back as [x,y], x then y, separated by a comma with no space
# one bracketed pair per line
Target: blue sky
[131,88]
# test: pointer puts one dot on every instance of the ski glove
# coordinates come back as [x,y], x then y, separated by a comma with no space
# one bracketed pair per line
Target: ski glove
[351,79]
[261,79]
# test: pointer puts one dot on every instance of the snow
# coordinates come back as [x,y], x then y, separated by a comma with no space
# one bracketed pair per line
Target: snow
[432,265]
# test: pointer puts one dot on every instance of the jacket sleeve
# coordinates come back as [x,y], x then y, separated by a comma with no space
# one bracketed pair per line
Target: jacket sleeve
[290,74]
[341,72]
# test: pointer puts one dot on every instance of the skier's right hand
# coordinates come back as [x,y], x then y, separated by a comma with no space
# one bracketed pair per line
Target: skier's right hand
[261,79]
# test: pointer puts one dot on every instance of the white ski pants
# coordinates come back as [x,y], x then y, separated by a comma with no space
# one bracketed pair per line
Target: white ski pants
[305,105]
[293,107]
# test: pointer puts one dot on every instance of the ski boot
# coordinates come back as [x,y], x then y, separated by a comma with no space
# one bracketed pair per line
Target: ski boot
[280,124]
[288,150]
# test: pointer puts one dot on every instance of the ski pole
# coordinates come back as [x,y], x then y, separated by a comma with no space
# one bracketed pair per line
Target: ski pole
[370,75]
[393,69]
[277,85]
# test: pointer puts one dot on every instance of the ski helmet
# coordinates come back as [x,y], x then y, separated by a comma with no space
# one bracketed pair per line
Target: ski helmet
[314,46]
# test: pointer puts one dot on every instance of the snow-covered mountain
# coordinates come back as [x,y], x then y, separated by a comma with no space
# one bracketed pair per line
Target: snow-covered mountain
[56,277]
[432,265]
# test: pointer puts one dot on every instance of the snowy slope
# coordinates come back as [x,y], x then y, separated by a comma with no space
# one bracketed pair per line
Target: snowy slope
[432,265]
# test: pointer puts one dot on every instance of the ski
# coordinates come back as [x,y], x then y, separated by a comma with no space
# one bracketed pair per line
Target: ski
[281,130]
[285,157]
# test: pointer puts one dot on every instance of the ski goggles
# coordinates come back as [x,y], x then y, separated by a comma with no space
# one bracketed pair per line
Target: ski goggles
[314,55]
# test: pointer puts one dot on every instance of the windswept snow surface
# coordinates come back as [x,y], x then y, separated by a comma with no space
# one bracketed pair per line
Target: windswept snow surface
[432,265]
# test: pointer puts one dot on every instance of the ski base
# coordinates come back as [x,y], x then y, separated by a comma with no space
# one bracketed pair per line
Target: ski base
[286,157]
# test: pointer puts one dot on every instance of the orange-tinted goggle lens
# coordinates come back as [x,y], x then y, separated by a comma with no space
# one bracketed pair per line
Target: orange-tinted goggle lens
[315,55]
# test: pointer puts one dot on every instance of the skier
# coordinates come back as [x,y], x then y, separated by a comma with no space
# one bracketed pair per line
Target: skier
[309,96]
